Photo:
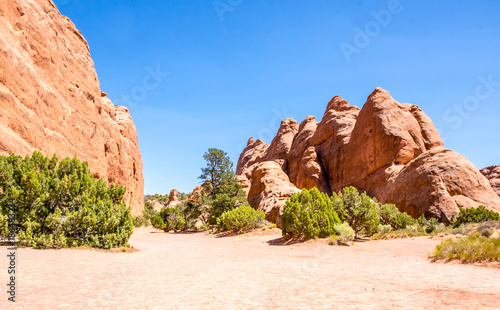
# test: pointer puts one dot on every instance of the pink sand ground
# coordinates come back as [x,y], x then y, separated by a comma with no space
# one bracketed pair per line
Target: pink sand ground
[253,271]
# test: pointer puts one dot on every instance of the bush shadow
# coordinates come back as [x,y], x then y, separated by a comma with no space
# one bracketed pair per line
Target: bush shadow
[285,242]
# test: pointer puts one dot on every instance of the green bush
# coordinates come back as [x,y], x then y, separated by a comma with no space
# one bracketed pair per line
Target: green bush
[149,211]
[484,228]
[157,197]
[384,229]
[309,214]
[390,215]
[475,215]
[473,248]
[60,204]
[430,225]
[240,219]
[415,229]
[228,197]
[140,221]
[334,240]
[359,211]
[345,232]
[204,227]
[221,190]
[191,211]
[168,219]
[147,214]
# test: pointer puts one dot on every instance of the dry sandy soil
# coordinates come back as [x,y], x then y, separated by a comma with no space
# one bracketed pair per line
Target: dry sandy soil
[253,271]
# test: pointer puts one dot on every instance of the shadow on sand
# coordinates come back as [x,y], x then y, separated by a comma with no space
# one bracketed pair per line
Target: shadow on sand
[284,242]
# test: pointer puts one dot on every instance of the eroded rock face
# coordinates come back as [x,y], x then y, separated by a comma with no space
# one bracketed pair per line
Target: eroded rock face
[50,98]
[270,189]
[196,194]
[389,149]
[493,175]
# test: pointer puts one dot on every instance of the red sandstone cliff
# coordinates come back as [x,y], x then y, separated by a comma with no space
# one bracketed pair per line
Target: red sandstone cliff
[50,98]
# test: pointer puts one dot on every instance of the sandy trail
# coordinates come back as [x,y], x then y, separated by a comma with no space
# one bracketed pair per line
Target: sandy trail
[200,271]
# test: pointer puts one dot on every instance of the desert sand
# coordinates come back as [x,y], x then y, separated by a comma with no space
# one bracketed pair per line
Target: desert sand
[251,271]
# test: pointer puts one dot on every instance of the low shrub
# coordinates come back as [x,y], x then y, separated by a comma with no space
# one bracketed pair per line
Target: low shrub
[240,219]
[147,214]
[389,214]
[345,232]
[464,229]
[475,215]
[309,214]
[140,221]
[485,229]
[384,229]
[409,232]
[334,240]
[415,229]
[203,227]
[60,204]
[168,219]
[473,248]
[487,232]
[430,225]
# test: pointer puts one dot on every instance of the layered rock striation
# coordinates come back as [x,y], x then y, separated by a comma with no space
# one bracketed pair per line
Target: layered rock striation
[389,149]
[50,98]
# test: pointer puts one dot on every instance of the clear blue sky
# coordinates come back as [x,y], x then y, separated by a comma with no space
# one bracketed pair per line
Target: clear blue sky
[234,71]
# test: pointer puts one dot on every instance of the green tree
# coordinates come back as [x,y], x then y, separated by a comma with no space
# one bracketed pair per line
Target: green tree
[221,190]
[309,214]
[183,196]
[168,219]
[359,211]
[389,214]
[229,197]
[192,211]
[218,171]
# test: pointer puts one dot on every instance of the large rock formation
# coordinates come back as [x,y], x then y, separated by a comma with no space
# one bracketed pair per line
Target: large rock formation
[50,98]
[493,175]
[173,199]
[389,149]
